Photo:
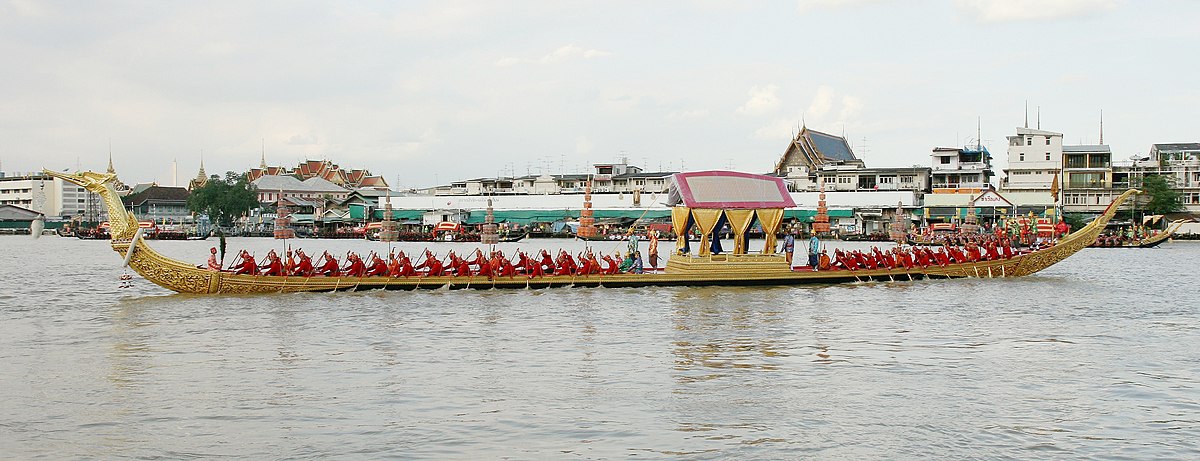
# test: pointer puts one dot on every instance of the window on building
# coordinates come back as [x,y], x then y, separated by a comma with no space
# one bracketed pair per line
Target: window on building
[906,179]
[1082,180]
[1021,157]
[945,160]
[1029,141]
[1047,140]
[1047,156]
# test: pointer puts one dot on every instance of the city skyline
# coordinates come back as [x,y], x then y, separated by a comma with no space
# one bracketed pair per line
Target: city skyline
[428,93]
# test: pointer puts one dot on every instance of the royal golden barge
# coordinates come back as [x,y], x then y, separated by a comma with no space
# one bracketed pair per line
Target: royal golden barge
[707,200]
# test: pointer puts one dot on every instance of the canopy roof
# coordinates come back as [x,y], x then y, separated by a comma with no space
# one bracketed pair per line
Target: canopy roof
[728,190]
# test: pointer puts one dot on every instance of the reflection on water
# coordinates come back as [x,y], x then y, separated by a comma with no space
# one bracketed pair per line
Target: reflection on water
[713,336]
[1092,358]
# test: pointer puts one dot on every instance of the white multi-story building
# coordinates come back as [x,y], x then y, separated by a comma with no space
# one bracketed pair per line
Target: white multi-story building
[1034,158]
[961,170]
[1086,181]
[606,178]
[53,197]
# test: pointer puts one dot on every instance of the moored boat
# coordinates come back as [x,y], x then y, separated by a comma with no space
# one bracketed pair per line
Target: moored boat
[708,200]
[1152,240]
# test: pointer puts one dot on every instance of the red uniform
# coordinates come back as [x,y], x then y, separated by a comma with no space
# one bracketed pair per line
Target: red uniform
[378,267]
[248,265]
[354,266]
[613,265]
[274,267]
[330,267]
[304,267]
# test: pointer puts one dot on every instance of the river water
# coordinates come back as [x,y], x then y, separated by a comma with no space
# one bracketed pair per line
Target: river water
[1097,357]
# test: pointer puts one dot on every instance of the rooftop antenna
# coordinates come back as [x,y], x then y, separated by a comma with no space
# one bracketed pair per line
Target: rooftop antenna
[1101,127]
[978,133]
[1026,113]
[1039,117]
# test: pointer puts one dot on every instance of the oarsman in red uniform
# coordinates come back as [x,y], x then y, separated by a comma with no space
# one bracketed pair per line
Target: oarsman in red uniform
[507,269]
[483,264]
[973,253]
[593,263]
[463,267]
[547,262]
[1008,251]
[330,267]
[885,259]
[304,266]
[266,265]
[941,257]
[566,264]
[993,253]
[859,260]
[403,267]
[354,266]
[922,257]
[247,266]
[378,267]
[839,257]
[432,265]
[906,258]
[273,266]
[613,265]
[521,265]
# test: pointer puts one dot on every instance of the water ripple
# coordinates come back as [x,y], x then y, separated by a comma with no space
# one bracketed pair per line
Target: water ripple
[1091,358]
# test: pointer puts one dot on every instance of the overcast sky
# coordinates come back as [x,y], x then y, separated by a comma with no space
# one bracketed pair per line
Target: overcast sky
[429,92]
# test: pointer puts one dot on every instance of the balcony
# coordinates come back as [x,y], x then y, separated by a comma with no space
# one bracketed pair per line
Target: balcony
[1087,185]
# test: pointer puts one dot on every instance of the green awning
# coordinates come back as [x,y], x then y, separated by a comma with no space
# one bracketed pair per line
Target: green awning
[522,216]
[399,215]
[808,215]
[548,216]
[358,211]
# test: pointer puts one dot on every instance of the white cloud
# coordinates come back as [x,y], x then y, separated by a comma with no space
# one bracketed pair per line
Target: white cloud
[563,53]
[827,110]
[778,129]
[851,107]
[24,8]
[762,100]
[583,145]
[822,103]
[688,114]
[1024,10]
[303,139]
[810,5]
[507,62]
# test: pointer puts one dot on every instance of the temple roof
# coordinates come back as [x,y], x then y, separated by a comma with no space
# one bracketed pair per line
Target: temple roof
[811,149]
